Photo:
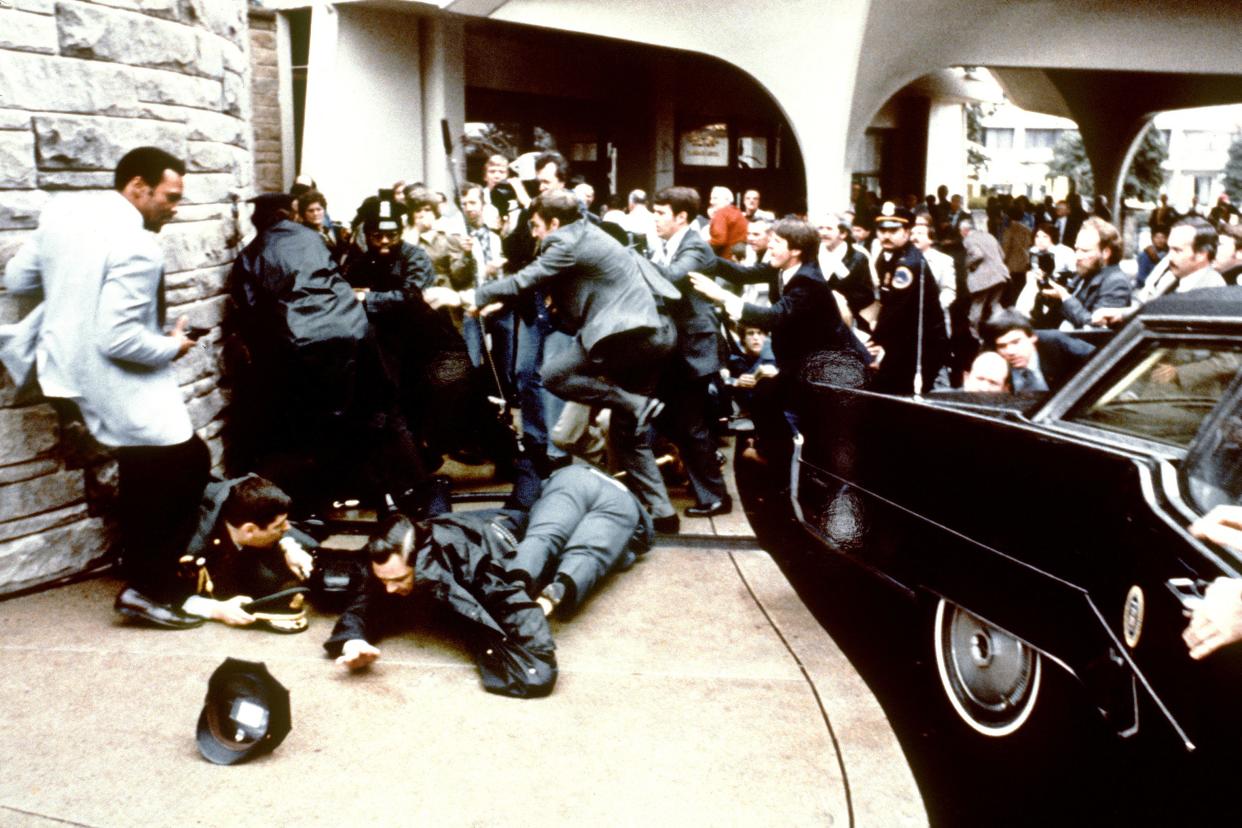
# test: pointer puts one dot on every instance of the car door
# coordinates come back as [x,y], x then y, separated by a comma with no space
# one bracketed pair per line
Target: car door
[1173,401]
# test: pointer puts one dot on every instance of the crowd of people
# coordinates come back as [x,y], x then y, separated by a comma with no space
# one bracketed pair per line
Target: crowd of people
[360,354]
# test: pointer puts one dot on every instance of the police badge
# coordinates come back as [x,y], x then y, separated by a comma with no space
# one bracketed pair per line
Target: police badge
[902,278]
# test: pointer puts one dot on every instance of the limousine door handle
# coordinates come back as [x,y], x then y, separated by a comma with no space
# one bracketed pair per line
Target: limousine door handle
[1188,591]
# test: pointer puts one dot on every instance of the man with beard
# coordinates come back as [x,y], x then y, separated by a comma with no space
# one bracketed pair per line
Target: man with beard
[1100,283]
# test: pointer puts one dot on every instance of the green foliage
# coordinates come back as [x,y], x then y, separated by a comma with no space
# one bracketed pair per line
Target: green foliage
[1146,174]
[1143,180]
[976,156]
[1069,159]
[1233,170]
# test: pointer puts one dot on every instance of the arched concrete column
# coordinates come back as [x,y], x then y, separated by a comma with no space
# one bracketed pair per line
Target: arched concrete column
[1113,109]
[805,53]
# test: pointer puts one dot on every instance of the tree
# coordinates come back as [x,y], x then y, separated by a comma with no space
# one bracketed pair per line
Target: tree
[1143,180]
[1233,170]
[977,157]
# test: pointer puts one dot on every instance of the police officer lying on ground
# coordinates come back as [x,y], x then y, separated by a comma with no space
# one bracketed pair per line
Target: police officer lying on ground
[246,549]
[584,525]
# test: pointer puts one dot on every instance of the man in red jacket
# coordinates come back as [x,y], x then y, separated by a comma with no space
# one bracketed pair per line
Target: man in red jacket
[728,226]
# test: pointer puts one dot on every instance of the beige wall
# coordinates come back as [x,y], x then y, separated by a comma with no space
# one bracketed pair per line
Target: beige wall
[363,103]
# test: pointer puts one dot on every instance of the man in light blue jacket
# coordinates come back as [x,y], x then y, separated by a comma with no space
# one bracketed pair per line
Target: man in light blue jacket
[98,342]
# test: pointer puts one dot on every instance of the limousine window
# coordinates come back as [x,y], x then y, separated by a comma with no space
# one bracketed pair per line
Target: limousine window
[1214,468]
[1166,394]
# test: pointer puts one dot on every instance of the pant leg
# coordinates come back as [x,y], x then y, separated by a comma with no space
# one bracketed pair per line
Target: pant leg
[632,454]
[694,439]
[556,343]
[472,332]
[160,490]
[598,543]
[528,378]
[552,520]
[573,375]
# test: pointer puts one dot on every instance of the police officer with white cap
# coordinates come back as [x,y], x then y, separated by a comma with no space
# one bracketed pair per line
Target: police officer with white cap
[910,331]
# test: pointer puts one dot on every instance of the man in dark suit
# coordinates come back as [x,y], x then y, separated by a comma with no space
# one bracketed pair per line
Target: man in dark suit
[1037,362]
[689,374]
[805,319]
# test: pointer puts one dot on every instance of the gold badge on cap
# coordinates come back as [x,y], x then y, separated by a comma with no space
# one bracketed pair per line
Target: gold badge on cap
[889,209]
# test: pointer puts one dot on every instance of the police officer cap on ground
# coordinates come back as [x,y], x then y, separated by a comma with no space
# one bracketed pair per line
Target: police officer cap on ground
[246,713]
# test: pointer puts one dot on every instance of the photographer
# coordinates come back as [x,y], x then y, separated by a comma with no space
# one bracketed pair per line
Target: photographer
[1051,262]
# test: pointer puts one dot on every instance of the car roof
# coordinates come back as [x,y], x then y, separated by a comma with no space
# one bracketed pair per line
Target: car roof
[1213,302]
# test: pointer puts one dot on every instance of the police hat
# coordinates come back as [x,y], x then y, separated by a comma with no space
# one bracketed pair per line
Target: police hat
[246,713]
[381,214]
[892,216]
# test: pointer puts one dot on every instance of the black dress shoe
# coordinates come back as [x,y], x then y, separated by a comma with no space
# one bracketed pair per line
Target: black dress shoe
[133,604]
[667,525]
[720,507]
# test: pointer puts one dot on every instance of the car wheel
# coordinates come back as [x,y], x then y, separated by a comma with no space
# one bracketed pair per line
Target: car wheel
[990,677]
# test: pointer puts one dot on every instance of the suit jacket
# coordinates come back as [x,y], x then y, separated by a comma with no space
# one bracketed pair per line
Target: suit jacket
[594,283]
[698,330]
[1016,245]
[1060,357]
[1110,288]
[985,263]
[98,338]
[803,321]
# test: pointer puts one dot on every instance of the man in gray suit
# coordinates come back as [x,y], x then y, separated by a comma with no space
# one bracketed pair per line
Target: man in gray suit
[98,343]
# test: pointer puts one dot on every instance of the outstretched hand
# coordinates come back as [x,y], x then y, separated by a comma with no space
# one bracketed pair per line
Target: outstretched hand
[356,654]
[708,287]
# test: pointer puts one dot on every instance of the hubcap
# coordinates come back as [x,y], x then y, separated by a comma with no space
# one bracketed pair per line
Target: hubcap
[990,677]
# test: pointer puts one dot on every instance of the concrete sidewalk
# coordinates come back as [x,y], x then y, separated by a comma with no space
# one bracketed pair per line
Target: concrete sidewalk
[695,689]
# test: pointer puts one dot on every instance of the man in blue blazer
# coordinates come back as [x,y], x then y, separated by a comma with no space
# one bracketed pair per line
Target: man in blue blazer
[98,342]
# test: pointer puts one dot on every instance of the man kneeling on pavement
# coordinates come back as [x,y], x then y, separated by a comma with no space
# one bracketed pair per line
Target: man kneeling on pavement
[583,526]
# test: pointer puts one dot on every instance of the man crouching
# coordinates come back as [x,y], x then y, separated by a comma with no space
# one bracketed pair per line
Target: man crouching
[458,560]
[244,548]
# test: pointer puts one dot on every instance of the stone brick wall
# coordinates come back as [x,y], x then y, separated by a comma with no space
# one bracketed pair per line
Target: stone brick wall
[265,99]
[80,84]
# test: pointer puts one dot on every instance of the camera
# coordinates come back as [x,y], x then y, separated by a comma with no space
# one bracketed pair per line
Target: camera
[1046,264]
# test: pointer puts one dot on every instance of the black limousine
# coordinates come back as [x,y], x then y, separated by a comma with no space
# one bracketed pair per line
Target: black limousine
[1044,531]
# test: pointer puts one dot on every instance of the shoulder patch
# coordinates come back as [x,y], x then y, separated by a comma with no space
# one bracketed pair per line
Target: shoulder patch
[902,278]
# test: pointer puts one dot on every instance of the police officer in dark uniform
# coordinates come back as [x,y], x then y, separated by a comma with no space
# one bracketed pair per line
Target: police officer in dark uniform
[908,292]
[422,353]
